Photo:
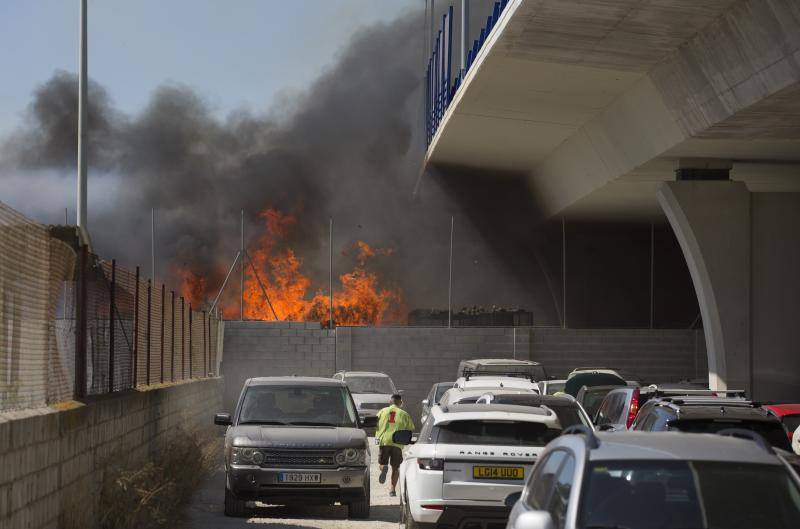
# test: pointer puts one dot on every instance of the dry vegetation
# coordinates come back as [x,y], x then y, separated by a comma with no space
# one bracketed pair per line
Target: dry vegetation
[151,496]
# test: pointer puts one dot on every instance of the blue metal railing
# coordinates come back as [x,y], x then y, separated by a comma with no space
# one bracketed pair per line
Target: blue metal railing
[440,87]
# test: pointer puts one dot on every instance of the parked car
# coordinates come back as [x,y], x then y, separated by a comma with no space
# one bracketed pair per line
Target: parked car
[371,391]
[495,366]
[467,459]
[296,439]
[433,398]
[788,414]
[567,409]
[707,413]
[657,481]
[620,407]
[591,397]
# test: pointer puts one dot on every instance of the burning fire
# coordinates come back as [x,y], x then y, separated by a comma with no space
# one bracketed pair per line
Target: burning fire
[359,300]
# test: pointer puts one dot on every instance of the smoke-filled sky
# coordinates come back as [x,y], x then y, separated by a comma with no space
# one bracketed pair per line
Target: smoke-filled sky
[345,144]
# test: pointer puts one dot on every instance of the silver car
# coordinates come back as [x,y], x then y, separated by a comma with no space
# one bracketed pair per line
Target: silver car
[635,480]
[371,390]
[295,440]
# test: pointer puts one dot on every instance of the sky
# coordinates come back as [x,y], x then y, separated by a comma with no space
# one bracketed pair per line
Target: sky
[236,54]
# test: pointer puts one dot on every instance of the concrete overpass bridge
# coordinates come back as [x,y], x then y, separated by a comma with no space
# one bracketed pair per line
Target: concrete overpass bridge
[642,109]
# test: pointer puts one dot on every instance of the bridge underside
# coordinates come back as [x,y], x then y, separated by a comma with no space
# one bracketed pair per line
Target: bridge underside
[608,109]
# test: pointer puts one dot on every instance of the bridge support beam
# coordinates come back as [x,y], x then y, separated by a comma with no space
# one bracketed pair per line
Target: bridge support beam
[743,254]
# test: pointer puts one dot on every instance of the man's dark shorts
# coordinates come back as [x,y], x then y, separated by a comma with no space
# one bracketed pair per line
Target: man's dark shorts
[390,455]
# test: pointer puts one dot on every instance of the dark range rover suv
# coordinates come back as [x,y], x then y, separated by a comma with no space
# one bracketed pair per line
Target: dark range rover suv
[295,440]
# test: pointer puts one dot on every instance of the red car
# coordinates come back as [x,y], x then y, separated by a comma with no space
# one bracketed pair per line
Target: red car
[788,414]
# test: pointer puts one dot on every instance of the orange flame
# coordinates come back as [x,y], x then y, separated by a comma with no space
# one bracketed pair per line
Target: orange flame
[193,286]
[360,300]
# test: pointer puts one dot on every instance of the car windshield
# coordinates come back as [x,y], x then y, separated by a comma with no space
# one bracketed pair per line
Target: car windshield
[772,431]
[376,385]
[298,405]
[500,433]
[688,495]
[441,389]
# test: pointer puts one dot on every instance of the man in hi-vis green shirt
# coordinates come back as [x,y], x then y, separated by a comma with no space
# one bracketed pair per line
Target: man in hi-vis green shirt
[390,420]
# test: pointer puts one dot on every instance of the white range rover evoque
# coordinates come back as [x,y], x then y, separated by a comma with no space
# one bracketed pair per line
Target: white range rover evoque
[469,457]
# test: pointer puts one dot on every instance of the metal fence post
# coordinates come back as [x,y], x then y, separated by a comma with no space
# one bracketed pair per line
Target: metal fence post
[183,339]
[172,338]
[161,351]
[80,334]
[190,342]
[135,362]
[149,307]
[205,347]
[111,325]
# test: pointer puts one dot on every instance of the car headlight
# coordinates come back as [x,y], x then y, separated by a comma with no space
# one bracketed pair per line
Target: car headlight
[351,457]
[244,455]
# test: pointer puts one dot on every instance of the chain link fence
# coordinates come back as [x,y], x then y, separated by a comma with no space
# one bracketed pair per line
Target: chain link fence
[74,325]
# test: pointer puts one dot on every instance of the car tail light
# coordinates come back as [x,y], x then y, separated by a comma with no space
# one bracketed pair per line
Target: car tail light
[433,507]
[430,464]
[634,409]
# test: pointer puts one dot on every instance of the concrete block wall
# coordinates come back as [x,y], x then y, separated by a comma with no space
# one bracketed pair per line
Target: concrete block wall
[52,461]
[264,348]
[417,357]
[653,354]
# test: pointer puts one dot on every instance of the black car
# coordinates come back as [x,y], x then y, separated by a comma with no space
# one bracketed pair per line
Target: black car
[709,414]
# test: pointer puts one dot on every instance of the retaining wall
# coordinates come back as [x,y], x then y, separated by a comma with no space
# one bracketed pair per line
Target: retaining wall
[417,357]
[52,461]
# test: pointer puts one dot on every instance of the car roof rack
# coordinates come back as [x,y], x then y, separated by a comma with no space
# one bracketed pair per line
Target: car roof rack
[741,433]
[589,437]
[489,373]
[699,392]
[689,400]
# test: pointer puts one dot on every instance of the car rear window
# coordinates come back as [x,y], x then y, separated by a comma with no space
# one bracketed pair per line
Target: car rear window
[592,400]
[772,431]
[791,422]
[500,433]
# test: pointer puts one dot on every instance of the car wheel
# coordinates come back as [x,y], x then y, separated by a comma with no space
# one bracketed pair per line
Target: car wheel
[360,509]
[233,506]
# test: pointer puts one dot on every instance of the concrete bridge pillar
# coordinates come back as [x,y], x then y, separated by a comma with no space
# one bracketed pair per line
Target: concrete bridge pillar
[743,253]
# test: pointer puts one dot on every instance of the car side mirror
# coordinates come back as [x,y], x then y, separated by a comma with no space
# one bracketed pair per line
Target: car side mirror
[223,419]
[512,499]
[402,437]
[425,402]
[535,520]
[370,421]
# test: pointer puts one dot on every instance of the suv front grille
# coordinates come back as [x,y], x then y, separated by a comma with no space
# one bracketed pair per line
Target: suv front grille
[298,458]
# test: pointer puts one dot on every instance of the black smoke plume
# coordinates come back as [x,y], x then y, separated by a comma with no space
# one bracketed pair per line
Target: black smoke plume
[349,148]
